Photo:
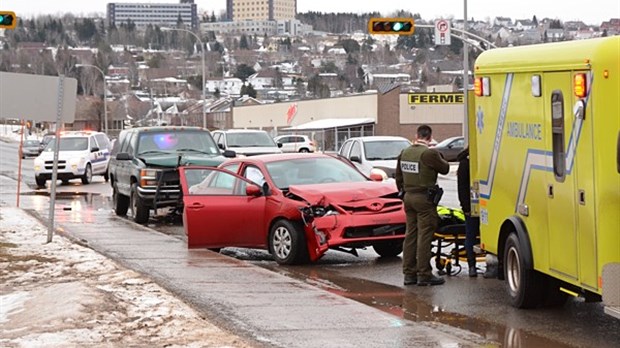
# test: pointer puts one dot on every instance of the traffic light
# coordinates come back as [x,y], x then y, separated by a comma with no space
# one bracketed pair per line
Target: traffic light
[394,26]
[8,20]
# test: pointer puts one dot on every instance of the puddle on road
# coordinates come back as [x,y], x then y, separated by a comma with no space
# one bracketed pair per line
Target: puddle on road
[402,303]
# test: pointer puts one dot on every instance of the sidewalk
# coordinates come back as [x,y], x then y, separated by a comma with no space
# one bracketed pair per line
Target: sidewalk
[88,299]
[63,294]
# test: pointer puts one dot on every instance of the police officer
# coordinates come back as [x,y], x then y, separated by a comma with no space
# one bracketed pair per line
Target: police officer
[416,176]
[472,223]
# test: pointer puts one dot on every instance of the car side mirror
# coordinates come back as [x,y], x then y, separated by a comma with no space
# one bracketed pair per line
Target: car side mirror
[356,159]
[94,149]
[253,191]
[279,144]
[230,154]
[221,146]
[123,156]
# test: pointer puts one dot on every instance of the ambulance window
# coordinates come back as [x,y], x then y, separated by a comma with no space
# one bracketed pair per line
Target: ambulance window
[557,130]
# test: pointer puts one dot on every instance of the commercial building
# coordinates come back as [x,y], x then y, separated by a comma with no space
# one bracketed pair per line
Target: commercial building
[273,10]
[282,27]
[161,14]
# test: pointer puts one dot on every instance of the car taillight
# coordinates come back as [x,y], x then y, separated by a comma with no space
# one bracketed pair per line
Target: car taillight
[312,143]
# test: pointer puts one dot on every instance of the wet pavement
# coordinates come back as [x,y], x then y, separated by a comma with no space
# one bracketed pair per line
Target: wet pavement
[270,308]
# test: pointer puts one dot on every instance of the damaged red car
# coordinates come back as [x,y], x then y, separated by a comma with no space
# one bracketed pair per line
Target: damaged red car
[296,206]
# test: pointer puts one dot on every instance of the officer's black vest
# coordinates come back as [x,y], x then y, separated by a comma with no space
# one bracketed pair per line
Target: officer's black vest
[415,173]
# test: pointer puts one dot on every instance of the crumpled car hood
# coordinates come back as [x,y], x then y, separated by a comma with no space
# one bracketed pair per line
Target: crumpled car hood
[343,192]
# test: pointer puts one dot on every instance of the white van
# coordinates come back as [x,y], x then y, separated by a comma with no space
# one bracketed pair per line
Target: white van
[374,152]
[246,142]
[82,154]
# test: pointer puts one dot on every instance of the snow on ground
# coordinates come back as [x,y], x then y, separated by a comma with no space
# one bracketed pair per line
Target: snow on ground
[62,294]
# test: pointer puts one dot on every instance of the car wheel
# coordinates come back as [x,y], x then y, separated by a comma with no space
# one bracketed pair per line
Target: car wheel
[87,178]
[40,181]
[523,282]
[139,211]
[121,202]
[388,248]
[287,243]
[65,182]
[304,150]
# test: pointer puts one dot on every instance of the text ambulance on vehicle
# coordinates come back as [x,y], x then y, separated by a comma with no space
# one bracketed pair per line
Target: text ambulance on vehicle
[544,130]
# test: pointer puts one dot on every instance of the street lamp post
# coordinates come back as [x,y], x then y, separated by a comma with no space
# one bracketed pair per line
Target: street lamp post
[202,51]
[105,95]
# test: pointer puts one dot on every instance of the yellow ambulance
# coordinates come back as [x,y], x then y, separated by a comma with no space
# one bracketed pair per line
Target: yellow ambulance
[544,135]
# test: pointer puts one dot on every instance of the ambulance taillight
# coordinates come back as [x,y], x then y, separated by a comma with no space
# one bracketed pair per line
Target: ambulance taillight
[478,86]
[580,85]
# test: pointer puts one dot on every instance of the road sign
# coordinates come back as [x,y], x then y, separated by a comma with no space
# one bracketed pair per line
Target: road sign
[35,97]
[442,32]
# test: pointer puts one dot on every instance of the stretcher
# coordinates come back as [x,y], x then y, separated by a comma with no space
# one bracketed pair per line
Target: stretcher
[448,246]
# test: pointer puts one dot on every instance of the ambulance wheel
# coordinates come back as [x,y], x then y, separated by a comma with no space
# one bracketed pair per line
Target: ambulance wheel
[388,248]
[287,243]
[523,282]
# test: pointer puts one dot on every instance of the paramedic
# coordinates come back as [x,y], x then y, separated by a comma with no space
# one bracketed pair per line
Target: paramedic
[472,223]
[416,176]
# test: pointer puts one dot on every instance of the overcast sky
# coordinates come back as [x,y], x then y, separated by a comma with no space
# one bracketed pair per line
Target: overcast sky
[590,12]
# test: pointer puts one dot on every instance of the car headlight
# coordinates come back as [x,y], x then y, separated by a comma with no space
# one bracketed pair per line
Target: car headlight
[148,177]
[379,171]
[38,163]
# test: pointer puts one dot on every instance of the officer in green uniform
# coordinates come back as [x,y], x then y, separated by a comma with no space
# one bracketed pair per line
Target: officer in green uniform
[416,176]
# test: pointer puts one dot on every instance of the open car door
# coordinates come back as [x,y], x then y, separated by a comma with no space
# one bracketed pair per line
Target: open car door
[221,208]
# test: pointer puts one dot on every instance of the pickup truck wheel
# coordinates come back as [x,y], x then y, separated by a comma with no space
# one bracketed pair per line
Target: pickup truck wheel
[40,181]
[287,243]
[121,202]
[87,178]
[139,211]
[388,248]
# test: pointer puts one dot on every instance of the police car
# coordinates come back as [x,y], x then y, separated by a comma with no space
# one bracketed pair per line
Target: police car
[82,154]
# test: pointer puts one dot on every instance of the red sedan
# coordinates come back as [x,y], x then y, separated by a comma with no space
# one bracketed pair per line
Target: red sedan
[297,206]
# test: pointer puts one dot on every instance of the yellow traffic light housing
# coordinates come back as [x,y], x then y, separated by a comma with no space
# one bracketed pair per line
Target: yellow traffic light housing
[394,26]
[8,20]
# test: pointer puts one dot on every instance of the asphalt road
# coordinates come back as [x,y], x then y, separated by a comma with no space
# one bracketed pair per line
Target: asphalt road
[475,304]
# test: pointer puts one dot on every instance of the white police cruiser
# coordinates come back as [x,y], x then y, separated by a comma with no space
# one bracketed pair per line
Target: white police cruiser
[82,154]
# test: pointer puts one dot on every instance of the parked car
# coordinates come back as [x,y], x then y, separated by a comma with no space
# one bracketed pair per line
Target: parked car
[296,206]
[143,171]
[374,153]
[31,148]
[295,143]
[247,142]
[82,154]
[450,148]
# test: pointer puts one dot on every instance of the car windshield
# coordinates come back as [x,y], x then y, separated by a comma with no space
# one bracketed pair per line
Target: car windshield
[69,144]
[250,139]
[445,142]
[177,141]
[309,171]
[31,143]
[384,150]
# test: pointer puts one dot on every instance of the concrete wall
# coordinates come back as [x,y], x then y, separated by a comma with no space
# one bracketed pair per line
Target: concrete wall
[274,115]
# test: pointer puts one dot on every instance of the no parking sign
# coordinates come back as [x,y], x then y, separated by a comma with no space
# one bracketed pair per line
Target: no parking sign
[442,32]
